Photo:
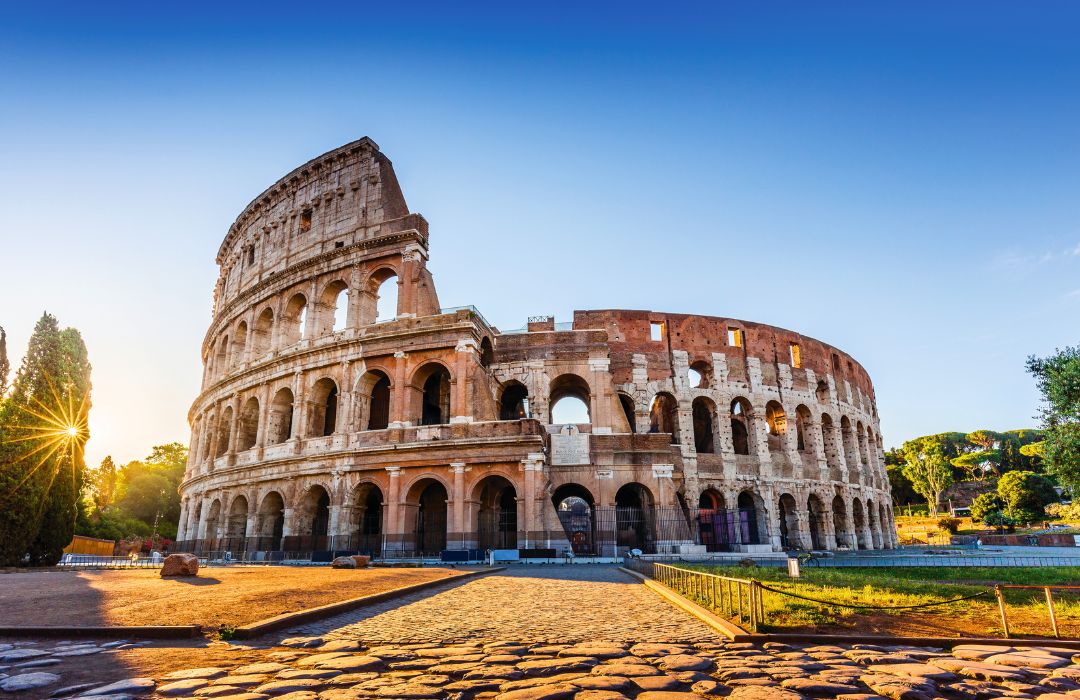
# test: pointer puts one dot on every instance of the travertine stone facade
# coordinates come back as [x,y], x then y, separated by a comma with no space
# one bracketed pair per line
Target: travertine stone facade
[321,426]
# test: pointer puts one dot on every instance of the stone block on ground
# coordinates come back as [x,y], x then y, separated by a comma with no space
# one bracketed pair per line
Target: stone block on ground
[180,565]
[343,563]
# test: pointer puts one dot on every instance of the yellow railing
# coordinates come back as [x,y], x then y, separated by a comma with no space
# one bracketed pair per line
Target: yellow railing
[736,599]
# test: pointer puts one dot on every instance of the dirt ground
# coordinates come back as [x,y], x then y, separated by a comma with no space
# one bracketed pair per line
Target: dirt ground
[218,597]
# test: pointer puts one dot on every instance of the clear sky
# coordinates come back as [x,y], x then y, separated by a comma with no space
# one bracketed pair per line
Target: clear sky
[899,179]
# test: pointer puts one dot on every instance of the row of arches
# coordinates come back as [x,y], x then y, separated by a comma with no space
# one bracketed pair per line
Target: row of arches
[279,326]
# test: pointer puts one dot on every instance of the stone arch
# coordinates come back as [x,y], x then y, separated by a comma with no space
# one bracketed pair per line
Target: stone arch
[822,391]
[373,400]
[803,422]
[664,415]
[249,425]
[293,320]
[704,413]
[874,525]
[576,508]
[213,520]
[714,521]
[635,525]
[224,431]
[702,372]
[366,523]
[858,518]
[487,352]
[324,408]
[430,386]
[270,521]
[815,515]
[752,518]
[496,516]
[788,518]
[886,526]
[741,416]
[860,435]
[851,457]
[569,388]
[221,357]
[313,516]
[426,504]
[236,528]
[280,422]
[263,334]
[776,421]
[513,401]
[334,307]
[831,448]
[840,523]
[379,301]
[239,343]
[627,405]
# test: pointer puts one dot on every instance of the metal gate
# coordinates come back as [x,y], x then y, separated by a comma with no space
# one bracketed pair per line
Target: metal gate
[497,529]
[430,532]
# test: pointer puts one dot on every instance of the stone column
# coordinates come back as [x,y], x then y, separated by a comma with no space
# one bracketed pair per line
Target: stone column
[600,384]
[203,512]
[300,413]
[460,408]
[289,526]
[181,530]
[829,526]
[399,403]
[234,429]
[392,530]
[533,466]
[264,418]
[455,535]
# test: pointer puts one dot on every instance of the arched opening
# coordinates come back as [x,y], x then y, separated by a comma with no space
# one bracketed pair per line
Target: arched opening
[627,405]
[335,307]
[434,382]
[368,517]
[514,401]
[224,431]
[851,457]
[803,420]
[221,360]
[386,298]
[776,420]
[271,521]
[886,527]
[700,375]
[213,523]
[324,399]
[815,511]
[236,529]
[716,525]
[569,396]
[373,391]
[749,518]
[634,527]
[577,514]
[704,434]
[860,435]
[249,425]
[263,334]
[789,522]
[428,498]
[872,521]
[239,343]
[859,520]
[496,516]
[840,523]
[279,426]
[487,353]
[294,320]
[313,521]
[822,391]
[740,428]
[664,416]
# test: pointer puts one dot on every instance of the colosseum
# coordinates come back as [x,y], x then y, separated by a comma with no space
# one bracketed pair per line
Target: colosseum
[344,410]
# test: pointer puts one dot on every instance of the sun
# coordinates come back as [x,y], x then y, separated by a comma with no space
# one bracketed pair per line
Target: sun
[72,431]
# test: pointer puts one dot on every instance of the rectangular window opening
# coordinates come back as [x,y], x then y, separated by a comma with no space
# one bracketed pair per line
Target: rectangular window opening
[251,255]
[734,337]
[656,331]
[339,244]
[305,221]
[796,356]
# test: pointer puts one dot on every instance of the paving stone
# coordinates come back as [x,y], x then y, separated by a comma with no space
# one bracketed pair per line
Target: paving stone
[182,687]
[320,673]
[133,686]
[618,684]
[246,680]
[915,670]
[302,642]
[21,654]
[278,687]
[818,688]
[978,652]
[28,681]
[667,695]
[899,687]
[1028,659]
[557,691]
[763,693]
[627,670]
[70,690]
[39,663]
[206,672]
[549,667]
[662,682]
[685,662]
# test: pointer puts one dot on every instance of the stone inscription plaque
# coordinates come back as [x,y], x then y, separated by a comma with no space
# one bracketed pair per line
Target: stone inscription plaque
[569,448]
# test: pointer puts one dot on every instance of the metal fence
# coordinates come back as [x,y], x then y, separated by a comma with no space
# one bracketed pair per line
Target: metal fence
[736,599]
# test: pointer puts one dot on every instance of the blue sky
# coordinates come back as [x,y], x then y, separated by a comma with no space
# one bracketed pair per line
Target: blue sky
[899,179]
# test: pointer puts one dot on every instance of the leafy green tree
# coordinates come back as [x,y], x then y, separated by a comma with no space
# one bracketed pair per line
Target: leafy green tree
[1058,379]
[984,505]
[1017,453]
[902,491]
[1025,495]
[101,483]
[40,462]
[5,365]
[980,455]
[927,465]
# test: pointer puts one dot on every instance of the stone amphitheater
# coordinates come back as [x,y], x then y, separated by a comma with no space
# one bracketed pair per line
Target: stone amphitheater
[344,409]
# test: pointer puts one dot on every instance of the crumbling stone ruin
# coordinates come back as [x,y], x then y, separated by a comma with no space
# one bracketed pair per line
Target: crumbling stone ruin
[323,427]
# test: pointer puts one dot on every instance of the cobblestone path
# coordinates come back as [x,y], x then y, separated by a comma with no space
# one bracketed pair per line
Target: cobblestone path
[554,633]
[524,604]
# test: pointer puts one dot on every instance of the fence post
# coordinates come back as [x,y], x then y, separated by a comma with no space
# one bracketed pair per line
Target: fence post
[1001,607]
[1053,617]
[752,595]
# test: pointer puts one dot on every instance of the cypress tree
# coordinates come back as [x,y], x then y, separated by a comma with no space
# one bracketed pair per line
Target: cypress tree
[36,453]
[5,365]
